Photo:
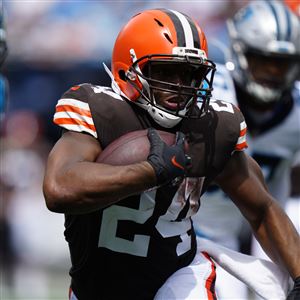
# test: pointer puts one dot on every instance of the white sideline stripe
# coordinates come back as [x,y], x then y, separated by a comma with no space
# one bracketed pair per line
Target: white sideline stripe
[73,102]
[73,115]
[186,28]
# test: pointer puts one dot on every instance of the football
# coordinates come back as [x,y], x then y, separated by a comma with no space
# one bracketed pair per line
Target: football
[132,147]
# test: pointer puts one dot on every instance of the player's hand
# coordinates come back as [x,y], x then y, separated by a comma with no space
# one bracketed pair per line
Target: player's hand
[168,162]
[294,294]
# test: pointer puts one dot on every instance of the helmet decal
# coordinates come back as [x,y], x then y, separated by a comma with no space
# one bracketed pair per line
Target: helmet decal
[283,21]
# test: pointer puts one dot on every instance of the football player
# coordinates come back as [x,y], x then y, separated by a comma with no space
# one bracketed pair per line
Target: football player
[129,228]
[264,64]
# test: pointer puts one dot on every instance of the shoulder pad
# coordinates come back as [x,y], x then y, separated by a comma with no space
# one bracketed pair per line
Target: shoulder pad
[83,92]
[232,121]
[79,92]
[73,112]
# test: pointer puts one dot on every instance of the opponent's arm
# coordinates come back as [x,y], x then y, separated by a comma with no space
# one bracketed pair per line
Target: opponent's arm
[243,181]
[74,183]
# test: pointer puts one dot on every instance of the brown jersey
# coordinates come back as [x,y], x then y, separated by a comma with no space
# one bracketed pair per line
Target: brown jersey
[141,240]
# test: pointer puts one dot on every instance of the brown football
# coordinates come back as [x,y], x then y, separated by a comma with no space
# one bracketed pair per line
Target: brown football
[130,148]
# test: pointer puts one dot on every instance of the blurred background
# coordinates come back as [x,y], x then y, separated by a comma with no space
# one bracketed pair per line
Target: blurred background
[53,45]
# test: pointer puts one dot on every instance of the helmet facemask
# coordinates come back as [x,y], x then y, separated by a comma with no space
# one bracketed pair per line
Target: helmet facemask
[185,81]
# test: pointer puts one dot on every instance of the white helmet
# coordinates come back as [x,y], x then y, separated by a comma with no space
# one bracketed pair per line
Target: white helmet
[265,35]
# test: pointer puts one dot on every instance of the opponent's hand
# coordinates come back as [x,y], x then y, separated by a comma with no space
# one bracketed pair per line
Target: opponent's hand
[294,294]
[168,162]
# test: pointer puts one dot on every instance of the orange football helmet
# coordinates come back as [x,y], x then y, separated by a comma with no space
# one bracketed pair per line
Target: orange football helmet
[294,5]
[165,37]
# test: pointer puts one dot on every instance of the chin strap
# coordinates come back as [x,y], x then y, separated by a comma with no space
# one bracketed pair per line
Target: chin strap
[115,87]
[144,82]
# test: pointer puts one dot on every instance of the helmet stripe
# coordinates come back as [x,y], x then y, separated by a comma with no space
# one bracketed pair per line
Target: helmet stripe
[289,25]
[276,18]
[196,37]
[283,21]
[187,33]
[178,27]
[189,40]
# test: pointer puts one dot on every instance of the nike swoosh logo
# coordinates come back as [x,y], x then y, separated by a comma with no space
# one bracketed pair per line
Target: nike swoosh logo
[176,164]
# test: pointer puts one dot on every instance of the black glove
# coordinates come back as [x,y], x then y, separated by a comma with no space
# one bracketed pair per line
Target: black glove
[294,294]
[168,162]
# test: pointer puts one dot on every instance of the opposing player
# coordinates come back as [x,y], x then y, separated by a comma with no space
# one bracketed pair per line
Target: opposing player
[129,227]
[3,54]
[262,84]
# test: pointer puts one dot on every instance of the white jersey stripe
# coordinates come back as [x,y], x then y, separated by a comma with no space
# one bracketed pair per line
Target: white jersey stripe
[73,102]
[73,115]
[241,139]
[243,125]
[186,28]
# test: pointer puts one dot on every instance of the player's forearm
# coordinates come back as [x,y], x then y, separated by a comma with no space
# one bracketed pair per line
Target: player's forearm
[279,239]
[86,186]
